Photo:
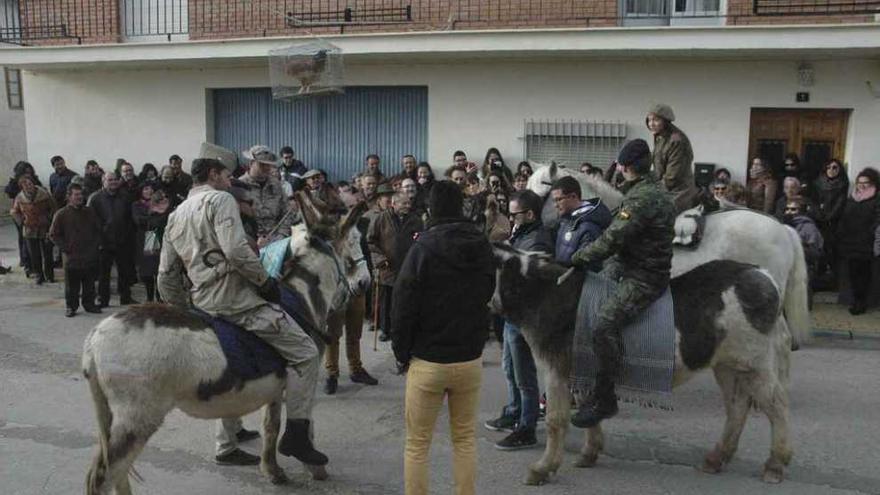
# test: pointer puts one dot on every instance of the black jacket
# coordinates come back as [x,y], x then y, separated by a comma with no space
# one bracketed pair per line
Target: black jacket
[439,310]
[114,213]
[855,231]
[532,237]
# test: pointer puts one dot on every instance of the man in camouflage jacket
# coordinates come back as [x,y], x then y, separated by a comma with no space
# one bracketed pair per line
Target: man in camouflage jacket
[640,239]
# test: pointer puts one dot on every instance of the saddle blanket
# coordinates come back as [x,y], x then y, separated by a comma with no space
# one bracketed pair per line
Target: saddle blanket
[648,347]
[248,356]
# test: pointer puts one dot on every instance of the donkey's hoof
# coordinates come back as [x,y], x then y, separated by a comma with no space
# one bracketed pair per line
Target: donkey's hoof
[319,473]
[276,475]
[773,473]
[587,460]
[536,477]
[712,463]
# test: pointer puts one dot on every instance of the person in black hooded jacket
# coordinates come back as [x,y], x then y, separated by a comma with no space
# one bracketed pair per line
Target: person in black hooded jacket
[439,315]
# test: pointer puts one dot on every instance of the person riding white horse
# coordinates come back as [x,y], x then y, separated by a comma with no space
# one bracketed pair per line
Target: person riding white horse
[205,238]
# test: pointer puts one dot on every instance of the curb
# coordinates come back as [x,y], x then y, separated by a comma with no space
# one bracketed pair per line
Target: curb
[844,334]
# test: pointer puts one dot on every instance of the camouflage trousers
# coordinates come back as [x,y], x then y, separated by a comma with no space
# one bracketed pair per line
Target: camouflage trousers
[632,296]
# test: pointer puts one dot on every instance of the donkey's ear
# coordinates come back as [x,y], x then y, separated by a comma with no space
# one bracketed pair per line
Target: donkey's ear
[311,215]
[351,219]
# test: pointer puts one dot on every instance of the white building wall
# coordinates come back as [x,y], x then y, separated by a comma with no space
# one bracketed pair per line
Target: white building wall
[146,115]
[12,142]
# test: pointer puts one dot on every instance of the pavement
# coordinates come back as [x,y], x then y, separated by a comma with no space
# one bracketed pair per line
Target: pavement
[47,425]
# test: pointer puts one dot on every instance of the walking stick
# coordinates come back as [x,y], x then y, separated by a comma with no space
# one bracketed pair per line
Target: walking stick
[376,314]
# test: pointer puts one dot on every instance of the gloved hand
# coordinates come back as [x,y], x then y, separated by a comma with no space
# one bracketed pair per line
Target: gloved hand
[270,291]
[579,259]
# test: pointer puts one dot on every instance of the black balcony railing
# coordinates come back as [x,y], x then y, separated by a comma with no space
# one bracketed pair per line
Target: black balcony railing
[91,21]
[815,7]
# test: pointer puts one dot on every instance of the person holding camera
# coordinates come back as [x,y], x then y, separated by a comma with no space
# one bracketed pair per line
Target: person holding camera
[495,163]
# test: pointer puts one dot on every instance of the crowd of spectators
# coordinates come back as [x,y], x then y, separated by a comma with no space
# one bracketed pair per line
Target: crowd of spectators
[90,224]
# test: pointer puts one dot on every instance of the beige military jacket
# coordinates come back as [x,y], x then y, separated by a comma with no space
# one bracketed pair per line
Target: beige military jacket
[204,237]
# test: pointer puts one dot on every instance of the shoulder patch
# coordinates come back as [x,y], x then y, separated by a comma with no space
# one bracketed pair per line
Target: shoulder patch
[623,214]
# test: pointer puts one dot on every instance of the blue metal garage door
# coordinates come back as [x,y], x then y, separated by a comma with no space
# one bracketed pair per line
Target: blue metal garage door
[334,133]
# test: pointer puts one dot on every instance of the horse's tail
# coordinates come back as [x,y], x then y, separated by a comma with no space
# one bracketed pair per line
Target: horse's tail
[100,465]
[795,305]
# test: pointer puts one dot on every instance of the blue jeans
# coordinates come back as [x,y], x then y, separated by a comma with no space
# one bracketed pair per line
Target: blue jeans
[522,378]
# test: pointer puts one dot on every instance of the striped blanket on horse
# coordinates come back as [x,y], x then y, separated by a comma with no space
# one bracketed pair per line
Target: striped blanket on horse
[648,347]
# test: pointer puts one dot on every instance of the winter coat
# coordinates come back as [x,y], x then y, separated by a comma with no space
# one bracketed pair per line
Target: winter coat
[673,161]
[58,183]
[439,310]
[533,237]
[12,188]
[855,231]
[640,237]
[810,236]
[34,214]
[77,233]
[831,200]
[579,228]
[270,206]
[147,221]
[762,194]
[381,238]
[204,237]
[410,227]
[114,213]
[91,184]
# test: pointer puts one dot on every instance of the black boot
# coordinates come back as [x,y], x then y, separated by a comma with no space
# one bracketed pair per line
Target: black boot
[602,405]
[296,443]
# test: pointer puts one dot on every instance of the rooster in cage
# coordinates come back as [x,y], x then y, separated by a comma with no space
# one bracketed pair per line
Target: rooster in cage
[307,70]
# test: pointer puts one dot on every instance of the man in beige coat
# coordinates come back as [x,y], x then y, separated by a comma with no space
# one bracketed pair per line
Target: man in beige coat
[673,157]
[205,238]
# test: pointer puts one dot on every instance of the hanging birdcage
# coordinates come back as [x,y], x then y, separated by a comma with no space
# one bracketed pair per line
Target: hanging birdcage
[306,69]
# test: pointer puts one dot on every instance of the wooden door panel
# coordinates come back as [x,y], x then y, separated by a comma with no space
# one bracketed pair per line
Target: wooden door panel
[816,135]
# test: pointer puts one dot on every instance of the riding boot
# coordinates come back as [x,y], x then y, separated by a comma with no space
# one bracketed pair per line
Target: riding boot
[297,442]
[602,404]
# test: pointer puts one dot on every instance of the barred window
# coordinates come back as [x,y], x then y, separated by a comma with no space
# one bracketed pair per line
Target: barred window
[13,88]
[571,143]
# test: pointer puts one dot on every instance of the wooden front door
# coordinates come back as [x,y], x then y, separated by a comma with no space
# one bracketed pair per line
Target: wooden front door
[816,136]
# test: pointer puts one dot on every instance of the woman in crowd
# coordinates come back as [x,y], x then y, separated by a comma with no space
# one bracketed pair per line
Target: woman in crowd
[12,189]
[425,181]
[32,210]
[520,182]
[150,215]
[524,168]
[495,163]
[855,236]
[148,173]
[831,188]
[762,187]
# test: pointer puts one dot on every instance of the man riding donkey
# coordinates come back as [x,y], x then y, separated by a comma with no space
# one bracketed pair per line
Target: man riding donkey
[205,238]
[640,239]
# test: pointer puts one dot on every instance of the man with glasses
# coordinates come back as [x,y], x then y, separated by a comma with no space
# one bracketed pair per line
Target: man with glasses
[580,222]
[520,415]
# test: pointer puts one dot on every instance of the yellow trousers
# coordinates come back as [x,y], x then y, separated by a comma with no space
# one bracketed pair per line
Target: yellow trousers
[426,385]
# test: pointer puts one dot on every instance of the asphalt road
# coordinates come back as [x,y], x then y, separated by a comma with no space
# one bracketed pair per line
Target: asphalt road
[47,426]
